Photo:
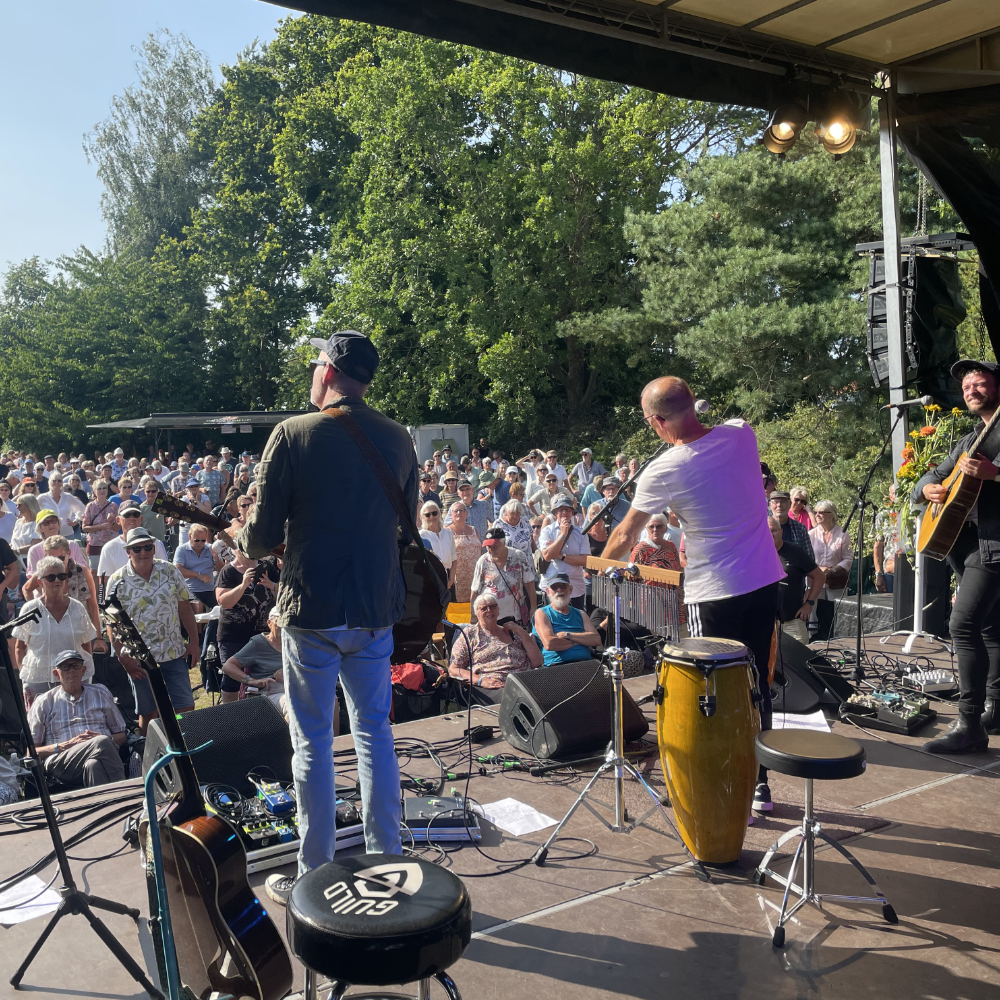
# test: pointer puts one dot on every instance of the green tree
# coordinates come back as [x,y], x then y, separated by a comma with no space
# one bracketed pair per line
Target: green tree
[151,183]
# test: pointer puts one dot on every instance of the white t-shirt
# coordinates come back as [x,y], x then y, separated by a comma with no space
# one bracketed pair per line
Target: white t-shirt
[7,521]
[67,506]
[442,545]
[713,485]
[560,473]
[576,545]
[114,556]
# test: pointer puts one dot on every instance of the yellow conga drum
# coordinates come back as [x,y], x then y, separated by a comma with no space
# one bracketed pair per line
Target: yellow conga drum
[706,723]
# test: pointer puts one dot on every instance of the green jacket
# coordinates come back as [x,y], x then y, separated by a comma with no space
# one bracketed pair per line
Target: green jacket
[317,493]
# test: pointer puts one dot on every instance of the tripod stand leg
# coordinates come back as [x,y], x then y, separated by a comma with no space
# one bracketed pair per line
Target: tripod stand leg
[116,949]
[110,905]
[37,946]
[542,852]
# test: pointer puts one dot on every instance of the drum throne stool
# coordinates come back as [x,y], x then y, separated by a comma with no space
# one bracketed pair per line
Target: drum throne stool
[810,755]
[379,919]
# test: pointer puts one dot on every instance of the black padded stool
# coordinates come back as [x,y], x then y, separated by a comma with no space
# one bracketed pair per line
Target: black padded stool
[810,755]
[379,919]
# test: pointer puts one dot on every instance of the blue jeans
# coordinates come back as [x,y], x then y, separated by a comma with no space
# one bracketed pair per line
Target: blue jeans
[313,661]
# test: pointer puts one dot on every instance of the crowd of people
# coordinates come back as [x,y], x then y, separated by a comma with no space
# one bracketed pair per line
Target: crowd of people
[70,528]
[508,532]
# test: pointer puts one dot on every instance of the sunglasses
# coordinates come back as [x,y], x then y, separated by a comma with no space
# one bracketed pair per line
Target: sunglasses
[142,548]
[552,480]
[129,514]
[52,577]
[432,513]
[198,541]
[245,506]
[72,665]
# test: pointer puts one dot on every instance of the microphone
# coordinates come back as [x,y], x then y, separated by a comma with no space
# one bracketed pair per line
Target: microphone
[701,406]
[907,403]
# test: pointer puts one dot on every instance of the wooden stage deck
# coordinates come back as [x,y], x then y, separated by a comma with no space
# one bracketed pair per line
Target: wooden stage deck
[633,920]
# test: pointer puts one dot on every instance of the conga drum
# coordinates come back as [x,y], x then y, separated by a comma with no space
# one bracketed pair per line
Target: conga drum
[706,725]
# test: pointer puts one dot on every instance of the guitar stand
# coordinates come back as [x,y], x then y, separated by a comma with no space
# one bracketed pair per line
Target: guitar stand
[73,900]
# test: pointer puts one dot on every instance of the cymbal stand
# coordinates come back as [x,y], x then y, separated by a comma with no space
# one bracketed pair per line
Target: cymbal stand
[615,760]
[73,900]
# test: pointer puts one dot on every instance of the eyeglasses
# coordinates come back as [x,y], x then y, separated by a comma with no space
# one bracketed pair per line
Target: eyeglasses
[316,362]
[142,548]
[52,577]
[431,513]
[651,416]
[198,541]
[151,489]
[72,665]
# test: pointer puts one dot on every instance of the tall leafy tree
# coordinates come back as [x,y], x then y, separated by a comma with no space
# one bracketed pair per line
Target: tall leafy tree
[141,150]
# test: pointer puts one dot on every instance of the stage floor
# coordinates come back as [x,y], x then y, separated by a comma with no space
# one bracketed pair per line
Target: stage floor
[634,920]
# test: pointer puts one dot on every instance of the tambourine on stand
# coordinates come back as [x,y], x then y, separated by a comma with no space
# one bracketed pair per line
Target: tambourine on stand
[651,597]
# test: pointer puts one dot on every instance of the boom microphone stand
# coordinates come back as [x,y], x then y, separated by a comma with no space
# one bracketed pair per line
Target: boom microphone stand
[859,508]
[73,900]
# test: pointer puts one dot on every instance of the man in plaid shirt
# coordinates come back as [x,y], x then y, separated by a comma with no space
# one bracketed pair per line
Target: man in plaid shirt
[77,727]
[792,532]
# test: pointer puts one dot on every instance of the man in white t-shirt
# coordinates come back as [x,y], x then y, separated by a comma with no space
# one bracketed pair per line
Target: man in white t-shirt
[552,461]
[114,555]
[565,548]
[710,479]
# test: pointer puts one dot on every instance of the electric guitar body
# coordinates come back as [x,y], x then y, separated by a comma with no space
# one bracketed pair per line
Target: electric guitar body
[942,522]
[224,939]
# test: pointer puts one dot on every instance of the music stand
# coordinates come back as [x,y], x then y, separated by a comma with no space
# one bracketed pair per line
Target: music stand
[73,900]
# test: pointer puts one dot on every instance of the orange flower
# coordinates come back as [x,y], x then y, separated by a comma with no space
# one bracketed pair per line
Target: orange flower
[926,431]
[907,454]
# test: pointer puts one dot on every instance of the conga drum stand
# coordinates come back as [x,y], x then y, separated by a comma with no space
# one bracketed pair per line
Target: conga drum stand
[615,760]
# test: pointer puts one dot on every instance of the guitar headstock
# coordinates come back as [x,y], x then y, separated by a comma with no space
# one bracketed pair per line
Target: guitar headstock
[124,630]
[171,506]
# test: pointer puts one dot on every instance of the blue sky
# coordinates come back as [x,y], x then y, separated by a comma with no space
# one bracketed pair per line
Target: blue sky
[62,61]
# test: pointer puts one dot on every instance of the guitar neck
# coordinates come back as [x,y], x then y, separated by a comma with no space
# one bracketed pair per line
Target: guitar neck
[189,803]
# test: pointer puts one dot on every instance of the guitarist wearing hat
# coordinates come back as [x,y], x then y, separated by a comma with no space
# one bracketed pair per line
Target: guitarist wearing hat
[975,558]
[341,591]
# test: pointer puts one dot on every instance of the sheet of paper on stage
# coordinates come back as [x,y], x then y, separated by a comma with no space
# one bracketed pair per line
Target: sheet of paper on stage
[18,903]
[516,818]
[789,720]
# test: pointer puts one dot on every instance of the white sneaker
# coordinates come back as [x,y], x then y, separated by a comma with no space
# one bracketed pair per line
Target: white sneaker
[279,887]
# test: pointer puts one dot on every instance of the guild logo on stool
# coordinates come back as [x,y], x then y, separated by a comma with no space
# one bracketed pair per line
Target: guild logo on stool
[374,888]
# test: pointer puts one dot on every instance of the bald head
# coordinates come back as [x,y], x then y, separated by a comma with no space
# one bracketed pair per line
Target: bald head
[669,397]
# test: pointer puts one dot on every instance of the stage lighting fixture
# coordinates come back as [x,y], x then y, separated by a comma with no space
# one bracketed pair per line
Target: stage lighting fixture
[784,127]
[837,132]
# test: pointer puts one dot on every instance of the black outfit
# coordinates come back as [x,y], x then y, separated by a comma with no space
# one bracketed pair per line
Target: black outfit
[975,558]
[246,618]
[7,556]
[797,566]
[747,618]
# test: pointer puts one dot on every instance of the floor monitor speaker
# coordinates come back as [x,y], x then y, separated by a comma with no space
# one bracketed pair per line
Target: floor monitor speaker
[245,736]
[564,711]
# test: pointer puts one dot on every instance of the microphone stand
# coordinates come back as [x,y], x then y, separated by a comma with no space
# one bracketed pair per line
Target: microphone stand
[859,508]
[606,513]
[73,900]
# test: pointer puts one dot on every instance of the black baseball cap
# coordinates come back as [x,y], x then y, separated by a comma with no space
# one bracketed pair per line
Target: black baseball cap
[962,368]
[350,352]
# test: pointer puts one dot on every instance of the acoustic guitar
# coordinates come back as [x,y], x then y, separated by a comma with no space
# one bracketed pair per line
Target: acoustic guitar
[224,939]
[942,522]
[171,506]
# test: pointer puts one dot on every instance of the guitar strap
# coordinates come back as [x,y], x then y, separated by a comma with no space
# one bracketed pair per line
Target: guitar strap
[387,480]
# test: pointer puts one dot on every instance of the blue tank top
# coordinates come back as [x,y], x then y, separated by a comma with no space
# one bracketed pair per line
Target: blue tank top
[571,621]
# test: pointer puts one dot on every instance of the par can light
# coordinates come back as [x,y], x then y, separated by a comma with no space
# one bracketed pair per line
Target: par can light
[784,127]
[837,133]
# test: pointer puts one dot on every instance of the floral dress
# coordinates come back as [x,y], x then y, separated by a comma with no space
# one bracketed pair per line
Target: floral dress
[468,549]
[666,557]
[100,512]
[492,659]
[507,585]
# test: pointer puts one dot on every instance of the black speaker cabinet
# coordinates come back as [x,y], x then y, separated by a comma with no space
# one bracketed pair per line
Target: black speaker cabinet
[805,688]
[564,711]
[245,736]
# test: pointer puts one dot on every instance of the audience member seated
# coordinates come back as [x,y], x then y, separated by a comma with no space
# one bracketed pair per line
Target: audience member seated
[658,551]
[566,633]
[198,564]
[496,650]
[258,665]
[77,727]
[64,624]
[245,611]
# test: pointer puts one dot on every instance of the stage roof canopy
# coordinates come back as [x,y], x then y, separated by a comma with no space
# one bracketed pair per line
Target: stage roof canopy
[752,52]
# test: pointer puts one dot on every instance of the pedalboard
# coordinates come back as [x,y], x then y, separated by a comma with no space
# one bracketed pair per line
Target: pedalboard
[433,817]
[888,711]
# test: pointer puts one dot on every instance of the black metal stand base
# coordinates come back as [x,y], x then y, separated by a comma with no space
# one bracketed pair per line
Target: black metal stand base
[76,902]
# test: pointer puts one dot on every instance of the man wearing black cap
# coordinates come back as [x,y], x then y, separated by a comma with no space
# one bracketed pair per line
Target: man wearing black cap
[975,558]
[341,592]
